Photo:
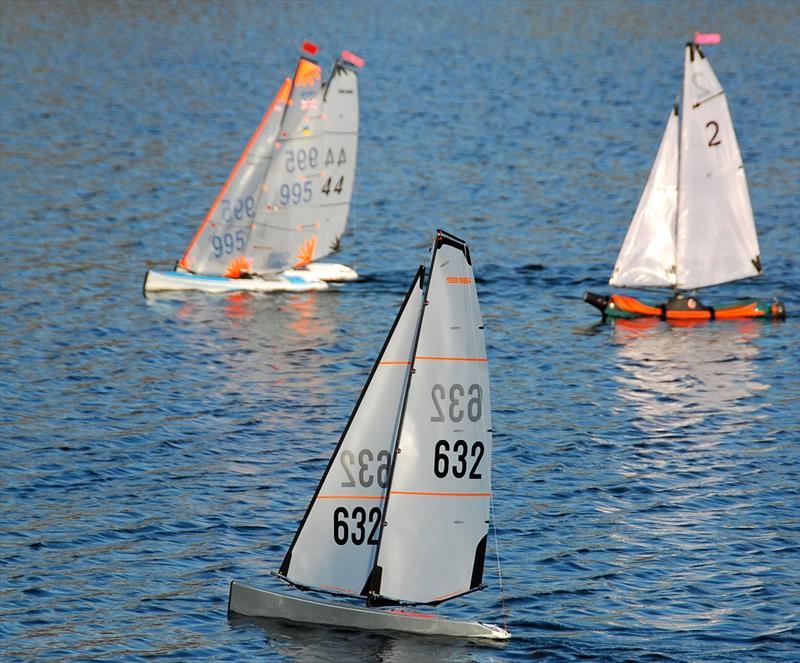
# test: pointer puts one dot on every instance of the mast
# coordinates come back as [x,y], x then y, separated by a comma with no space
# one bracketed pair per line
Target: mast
[374,580]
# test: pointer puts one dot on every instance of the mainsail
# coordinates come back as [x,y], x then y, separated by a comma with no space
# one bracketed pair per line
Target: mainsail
[433,539]
[402,512]
[716,235]
[694,224]
[287,200]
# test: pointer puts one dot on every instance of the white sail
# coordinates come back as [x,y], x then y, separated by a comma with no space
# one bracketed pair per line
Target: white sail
[437,512]
[647,257]
[340,109]
[716,234]
[218,247]
[334,548]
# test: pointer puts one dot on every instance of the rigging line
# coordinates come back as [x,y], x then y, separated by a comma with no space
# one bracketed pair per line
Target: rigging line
[503,608]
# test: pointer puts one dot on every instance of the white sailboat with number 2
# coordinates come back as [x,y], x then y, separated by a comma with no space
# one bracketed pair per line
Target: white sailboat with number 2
[401,515]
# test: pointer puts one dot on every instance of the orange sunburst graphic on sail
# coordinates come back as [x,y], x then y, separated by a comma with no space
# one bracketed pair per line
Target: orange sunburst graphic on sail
[305,254]
[307,74]
[237,267]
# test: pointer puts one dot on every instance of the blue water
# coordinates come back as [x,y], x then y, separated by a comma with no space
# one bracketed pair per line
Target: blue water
[153,449]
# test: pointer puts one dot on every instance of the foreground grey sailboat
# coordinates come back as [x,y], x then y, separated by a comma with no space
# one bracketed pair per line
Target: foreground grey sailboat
[401,515]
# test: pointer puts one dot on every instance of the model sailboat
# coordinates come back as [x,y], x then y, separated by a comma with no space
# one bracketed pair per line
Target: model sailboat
[286,202]
[402,512]
[694,225]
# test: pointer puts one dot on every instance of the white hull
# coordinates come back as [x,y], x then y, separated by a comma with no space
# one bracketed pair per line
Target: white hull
[328,271]
[251,602]
[312,277]
[286,282]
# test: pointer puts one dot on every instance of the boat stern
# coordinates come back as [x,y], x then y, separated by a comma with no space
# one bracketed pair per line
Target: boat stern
[330,272]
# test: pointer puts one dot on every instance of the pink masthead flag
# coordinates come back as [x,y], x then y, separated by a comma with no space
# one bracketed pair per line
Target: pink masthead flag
[707,37]
[352,58]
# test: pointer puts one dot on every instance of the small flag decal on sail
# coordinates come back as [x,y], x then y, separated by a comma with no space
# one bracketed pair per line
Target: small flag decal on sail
[707,37]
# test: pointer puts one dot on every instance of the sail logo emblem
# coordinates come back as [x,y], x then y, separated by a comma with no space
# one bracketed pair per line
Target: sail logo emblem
[305,253]
[459,280]
[307,74]
[308,104]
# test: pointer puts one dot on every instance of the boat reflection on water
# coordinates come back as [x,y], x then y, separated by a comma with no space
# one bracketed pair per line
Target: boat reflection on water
[308,642]
[690,373]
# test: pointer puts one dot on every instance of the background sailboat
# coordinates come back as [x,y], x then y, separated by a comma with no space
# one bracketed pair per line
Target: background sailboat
[402,512]
[286,202]
[694,225]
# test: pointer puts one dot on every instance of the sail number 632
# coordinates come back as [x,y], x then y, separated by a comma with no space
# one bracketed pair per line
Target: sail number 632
[461,402]
[352,525]
[447,460]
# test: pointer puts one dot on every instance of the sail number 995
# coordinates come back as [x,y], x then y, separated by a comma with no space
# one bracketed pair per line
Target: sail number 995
[461,402]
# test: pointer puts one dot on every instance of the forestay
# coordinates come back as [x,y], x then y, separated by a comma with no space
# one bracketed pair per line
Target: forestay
[716,234]
[334,548]
[433,540]
[647,257]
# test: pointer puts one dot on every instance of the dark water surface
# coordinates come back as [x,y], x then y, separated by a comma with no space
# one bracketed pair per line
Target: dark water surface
[154,449]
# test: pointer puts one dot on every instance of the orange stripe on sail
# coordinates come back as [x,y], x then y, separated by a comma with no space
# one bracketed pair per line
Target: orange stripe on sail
[281,97]
[418,492]
[452,358]
[350,497]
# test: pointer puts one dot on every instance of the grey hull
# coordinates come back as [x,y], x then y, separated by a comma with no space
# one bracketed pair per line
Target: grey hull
[252,602]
